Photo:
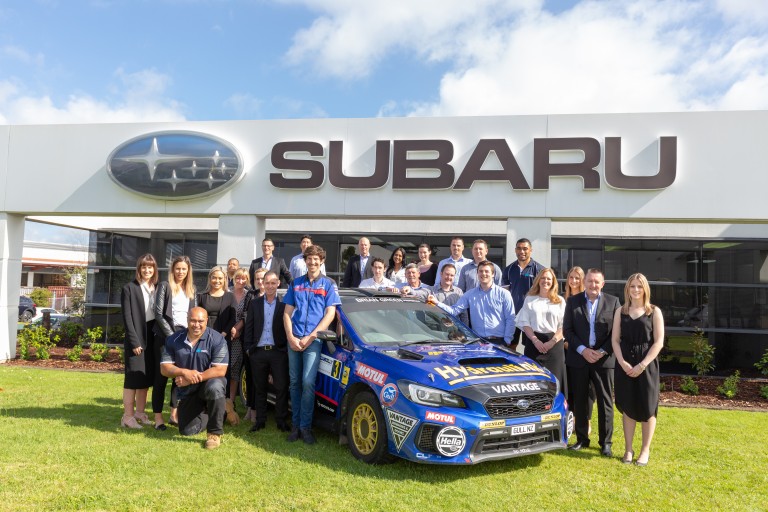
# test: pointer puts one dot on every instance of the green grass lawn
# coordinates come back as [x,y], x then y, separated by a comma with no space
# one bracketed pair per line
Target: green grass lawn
[62,448]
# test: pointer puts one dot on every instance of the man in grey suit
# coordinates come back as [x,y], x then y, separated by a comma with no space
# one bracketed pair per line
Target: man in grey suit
[588,325]
[359,266]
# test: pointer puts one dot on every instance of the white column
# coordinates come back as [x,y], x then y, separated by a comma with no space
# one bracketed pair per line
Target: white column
[240,237]
[538,231]
[11,246]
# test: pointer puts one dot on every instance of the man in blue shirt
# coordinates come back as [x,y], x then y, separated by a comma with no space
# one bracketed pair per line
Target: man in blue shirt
[456,258]
[310,307]
[491,310]
[519,277]
[196,359]
[467,278]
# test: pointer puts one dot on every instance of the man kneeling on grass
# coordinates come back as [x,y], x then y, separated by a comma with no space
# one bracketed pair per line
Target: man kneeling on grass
[196,359]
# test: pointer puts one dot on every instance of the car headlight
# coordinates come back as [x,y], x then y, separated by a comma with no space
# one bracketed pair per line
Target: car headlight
[426,395]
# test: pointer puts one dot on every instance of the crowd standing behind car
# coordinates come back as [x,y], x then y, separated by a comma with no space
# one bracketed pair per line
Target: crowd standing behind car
[527,302]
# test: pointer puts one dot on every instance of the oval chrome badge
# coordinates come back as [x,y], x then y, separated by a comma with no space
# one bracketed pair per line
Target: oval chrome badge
[523,404]
[175,165]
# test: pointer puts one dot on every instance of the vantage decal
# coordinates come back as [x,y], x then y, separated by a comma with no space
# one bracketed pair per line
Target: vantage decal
[458,374]
[504,389]
[400,426]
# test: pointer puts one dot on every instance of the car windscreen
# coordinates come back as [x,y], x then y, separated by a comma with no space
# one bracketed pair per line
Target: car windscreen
[392,321]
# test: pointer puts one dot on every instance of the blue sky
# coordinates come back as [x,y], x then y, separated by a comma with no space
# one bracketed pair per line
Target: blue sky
[79,61]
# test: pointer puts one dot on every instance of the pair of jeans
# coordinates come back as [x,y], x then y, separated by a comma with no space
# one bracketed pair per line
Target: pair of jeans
[302,370]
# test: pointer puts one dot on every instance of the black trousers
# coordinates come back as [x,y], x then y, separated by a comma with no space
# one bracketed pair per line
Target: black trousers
[601,379]
[264,362]
[201,406]
[160,381]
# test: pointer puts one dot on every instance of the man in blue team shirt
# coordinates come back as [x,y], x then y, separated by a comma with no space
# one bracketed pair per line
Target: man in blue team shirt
[467,277]
[491,310]
[310,307]
[519,276]
[196,359]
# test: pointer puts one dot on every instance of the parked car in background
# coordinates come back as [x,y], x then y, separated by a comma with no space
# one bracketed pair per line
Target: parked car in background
[56,320]
[27,309]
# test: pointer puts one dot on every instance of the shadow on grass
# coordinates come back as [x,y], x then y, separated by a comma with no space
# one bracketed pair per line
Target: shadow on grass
[328,452]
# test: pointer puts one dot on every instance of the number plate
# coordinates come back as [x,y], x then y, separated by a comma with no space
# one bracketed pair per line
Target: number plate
[523,429]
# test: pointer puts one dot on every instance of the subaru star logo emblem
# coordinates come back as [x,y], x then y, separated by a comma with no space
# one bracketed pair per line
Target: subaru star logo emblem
[175,165]
[523,404]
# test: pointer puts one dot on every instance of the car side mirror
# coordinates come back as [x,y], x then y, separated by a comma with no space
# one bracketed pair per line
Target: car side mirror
[330,338]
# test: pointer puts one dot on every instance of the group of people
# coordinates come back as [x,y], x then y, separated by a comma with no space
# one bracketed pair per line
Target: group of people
[580,337]
[202,340]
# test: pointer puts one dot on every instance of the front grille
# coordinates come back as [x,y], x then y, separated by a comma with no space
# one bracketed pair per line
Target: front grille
[502,444]
[509,406]
[425,439]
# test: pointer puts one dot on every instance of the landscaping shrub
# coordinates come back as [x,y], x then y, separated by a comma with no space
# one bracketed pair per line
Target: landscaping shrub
[730,386]
[70,333]
[703,353]
[764,392]
[42,297]
[74,353]
[116,334]
[762,364]
[689,387]
[98,351]
[39,338]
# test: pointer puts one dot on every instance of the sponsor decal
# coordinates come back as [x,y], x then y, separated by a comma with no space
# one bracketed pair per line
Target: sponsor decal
[434,353]
[504,389]
[372,375]
[345,376]
[389,395]
[329,366]
[545,426]
[400,426]
[528,428]
[420,455]
[175,165]
[550,417]
[458,374]
[380,299]
[440,417]
[450,441]
[492,424]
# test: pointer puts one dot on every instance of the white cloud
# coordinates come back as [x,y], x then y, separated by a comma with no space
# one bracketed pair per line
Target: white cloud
[519,58]
[244,104]
[138,97]
[21,55]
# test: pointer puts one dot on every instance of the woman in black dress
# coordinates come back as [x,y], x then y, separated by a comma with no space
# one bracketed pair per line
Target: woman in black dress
[638,337]
[220,304]
[137,300]
[427,269]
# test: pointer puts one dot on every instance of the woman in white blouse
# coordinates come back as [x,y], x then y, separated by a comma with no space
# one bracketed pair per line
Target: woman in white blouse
[541,320]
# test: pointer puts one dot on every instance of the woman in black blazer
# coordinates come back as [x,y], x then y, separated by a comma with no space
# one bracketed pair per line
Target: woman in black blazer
[221,306]
[137,301]
[173,301]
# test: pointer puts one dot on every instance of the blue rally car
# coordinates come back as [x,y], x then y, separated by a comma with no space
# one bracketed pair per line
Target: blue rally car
[401,378]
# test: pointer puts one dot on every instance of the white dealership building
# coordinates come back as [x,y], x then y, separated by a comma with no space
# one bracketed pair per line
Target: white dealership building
[677,196]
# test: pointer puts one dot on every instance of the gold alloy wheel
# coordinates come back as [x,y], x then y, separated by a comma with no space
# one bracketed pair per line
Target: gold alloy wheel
[365,428]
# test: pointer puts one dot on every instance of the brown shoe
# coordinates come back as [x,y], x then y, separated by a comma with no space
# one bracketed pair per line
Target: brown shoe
[232,416]
[213,441]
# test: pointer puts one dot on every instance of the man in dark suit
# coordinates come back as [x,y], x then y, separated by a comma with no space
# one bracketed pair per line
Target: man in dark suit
[359,266]
[273,263]
[265,343]
[588,325]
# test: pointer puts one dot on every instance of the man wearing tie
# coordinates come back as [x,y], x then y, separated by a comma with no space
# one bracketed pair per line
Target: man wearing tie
[587,325]
[359,266]
[265,343]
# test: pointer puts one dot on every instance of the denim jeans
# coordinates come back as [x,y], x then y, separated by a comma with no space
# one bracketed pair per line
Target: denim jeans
[302,370]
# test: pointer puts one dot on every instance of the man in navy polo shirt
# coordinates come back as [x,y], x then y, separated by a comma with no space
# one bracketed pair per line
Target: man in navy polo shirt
[310,307]
[196,359]
[519,275]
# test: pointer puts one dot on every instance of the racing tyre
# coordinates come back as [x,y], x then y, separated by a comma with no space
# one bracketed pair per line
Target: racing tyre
[245,386]
[367,430]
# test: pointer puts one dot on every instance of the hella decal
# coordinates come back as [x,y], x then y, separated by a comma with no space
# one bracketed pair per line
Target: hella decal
[440,417]
[370,374]
[175,165]
[457,374]
[450,441]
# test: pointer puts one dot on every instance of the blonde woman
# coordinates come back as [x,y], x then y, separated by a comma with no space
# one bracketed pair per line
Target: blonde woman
[638,337]
[541,320]
[243,296]
[137,300]
[574,284]
[173,301]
